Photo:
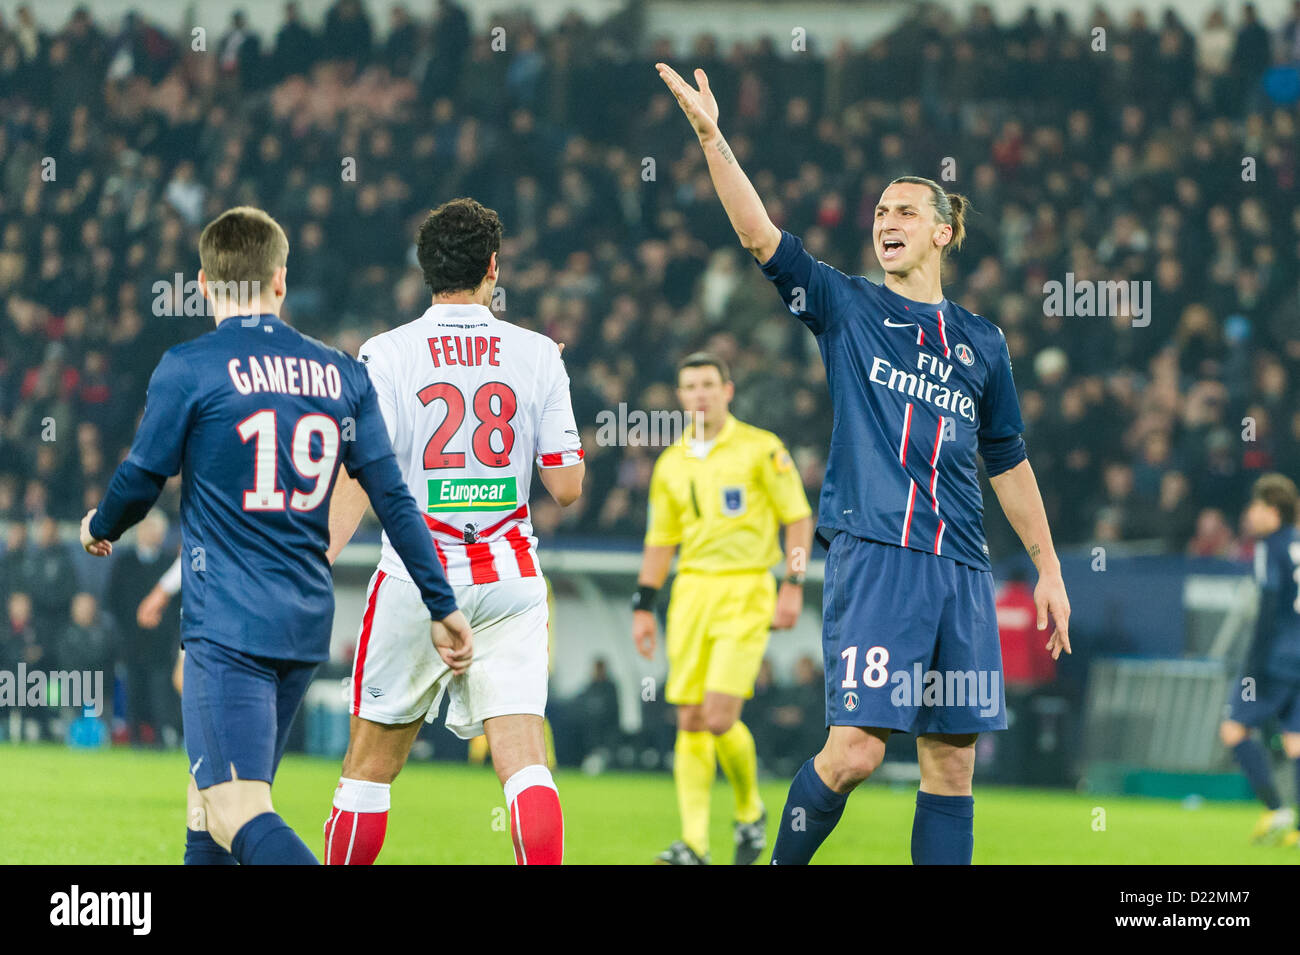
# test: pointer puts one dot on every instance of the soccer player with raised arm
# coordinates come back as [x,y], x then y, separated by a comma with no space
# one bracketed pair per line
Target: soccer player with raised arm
[257,418]
[472,403]
[919,387]
[1268,690]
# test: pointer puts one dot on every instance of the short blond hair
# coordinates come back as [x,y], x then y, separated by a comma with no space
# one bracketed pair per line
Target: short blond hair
[243,244]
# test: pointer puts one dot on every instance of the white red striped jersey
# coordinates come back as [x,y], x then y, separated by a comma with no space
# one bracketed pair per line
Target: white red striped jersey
[471,403]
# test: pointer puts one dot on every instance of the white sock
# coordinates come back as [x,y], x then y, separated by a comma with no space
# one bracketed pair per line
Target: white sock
[535,775]
[361,795]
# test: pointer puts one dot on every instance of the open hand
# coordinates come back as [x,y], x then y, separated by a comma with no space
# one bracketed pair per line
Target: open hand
[698,104]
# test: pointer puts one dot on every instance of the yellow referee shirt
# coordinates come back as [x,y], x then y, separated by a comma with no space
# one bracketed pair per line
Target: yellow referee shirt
[725,508]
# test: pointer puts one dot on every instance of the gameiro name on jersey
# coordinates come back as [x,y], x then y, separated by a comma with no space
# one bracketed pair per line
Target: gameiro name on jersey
[470,403]
[258,417]
[918,389]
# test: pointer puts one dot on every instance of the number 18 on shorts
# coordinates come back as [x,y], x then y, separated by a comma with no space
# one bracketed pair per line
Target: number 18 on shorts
[910,641]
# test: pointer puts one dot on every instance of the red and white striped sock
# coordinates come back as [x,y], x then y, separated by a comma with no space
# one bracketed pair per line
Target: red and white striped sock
[354,832]
[536,822]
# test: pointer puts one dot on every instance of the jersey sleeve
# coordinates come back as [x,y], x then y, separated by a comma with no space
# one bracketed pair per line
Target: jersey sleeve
[376,363]
[370,439]
[1000,443]
[558,445]
[159,445]
[780,479]
[806,285]
[663,523]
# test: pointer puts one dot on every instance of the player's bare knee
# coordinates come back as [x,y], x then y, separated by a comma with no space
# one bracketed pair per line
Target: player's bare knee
[1291,745]
[850,766]
[690,719]
[718,723]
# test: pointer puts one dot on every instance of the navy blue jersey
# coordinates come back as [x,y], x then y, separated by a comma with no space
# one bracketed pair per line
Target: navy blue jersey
[917,390]
[258,417]
[1276,647]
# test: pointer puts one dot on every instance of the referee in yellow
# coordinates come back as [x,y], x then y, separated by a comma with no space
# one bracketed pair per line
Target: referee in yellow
[721,493]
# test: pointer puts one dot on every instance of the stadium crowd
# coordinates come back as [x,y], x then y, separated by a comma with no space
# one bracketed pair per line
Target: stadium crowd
[1149,152]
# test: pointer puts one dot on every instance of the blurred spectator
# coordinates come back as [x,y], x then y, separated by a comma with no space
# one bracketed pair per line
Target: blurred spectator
[148,653]
[88,644]
[50,578]
[22,644]
[1214,537]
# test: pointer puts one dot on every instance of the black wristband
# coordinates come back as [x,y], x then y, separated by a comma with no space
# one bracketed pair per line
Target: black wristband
[796,579]
[644,598]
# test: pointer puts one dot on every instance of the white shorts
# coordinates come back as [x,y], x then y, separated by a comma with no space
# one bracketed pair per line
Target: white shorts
[398,677]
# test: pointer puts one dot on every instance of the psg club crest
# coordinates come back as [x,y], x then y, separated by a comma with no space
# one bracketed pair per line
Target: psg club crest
[850,701]
[964,354]
[733,501]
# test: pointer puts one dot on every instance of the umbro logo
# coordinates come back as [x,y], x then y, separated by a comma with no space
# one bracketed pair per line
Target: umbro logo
[893,324]
[374,691]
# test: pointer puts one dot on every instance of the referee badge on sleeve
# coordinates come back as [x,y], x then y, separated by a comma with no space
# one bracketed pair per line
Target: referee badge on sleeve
[781,460]
[733,501]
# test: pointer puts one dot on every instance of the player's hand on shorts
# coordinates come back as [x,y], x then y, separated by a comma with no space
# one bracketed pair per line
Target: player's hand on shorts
[1054,607]
[454,641]
[789,604]
[97,548]
[644,631]
[149,614]
[699,105]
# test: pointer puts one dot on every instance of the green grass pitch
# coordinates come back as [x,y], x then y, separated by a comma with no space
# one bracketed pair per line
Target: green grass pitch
[120,806]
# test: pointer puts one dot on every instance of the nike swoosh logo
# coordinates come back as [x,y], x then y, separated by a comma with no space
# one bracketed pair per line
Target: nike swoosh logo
[892,324]
[195,768]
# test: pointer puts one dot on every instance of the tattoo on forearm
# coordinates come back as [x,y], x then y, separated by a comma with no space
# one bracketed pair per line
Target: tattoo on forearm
[725,151]
[1034,551]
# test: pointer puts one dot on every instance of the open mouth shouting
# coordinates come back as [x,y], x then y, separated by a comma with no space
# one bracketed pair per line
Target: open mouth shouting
[891,248]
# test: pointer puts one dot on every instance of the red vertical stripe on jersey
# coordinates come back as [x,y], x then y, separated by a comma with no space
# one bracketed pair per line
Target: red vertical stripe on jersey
[938,537]
[920,334]
[907,427]
[907,523]
[943,337]
[442,557]
[523,554]
[359,668]
[934,461]
[482,568]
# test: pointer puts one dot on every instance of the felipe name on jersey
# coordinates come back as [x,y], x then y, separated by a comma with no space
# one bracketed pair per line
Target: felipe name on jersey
[465,350]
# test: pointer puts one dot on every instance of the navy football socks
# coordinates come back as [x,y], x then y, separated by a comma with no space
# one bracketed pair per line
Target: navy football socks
[811,811]
[202,849]
[268,840]
[943,830]
[1253,761]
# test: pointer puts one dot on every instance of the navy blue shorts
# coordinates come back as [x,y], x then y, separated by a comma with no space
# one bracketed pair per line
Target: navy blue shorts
[236,711]
[1276,698]
[910,641]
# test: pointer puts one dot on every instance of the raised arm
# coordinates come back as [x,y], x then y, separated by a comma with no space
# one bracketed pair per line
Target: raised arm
[757,232]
